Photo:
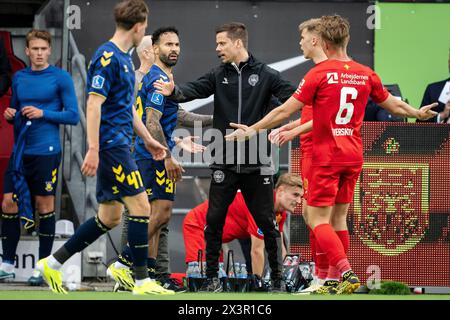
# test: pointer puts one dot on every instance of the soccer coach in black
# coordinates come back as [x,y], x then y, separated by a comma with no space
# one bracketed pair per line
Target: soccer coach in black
[243,88]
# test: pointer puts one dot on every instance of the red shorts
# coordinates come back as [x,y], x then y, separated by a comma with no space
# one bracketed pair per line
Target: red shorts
[329,185]
[306,174]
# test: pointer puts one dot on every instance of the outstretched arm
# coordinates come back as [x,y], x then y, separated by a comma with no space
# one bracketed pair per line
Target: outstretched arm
[272,119]
[401,108]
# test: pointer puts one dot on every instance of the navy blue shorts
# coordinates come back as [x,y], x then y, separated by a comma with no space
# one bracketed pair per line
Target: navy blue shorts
[156,184]
[41,174]
[117,175]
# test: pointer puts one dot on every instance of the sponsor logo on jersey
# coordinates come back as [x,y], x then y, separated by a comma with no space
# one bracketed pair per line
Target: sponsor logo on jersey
[225,81]
[98,82]
[332,77]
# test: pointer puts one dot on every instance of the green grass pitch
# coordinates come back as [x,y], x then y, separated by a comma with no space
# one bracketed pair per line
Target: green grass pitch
[47,295]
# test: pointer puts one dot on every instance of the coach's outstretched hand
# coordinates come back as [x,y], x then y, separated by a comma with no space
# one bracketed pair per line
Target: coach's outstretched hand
[163,87]
[90,163]
[188,144]
[426,113]
[242,132]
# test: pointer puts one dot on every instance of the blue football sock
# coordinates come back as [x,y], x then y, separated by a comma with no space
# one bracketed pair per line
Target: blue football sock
[86,234]
[138,242]
[10,236]
[126,256]
[46,234]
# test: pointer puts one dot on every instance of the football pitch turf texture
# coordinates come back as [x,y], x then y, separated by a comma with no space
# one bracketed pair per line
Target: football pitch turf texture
[44,295]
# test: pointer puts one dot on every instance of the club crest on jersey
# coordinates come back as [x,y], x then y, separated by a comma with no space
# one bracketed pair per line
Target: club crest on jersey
[332,77]
[253,80]
[98,82]
[157,98]
[219,176]
[125,67]
[48,186]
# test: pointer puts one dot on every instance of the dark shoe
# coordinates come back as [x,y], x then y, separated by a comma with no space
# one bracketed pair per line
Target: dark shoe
[329,288]
[173,284]
[36,279]
[259,285]
[349,284]
[278,285]
[211,285]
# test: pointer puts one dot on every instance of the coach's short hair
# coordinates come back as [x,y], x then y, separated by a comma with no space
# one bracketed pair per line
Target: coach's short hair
[311,25]
[235,30]
[290,179]
[335,30]
[38,34]
[129,12]
[158,32]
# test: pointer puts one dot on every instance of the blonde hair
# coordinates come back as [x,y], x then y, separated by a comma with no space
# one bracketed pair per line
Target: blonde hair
[335,30]
[290,179]
[311,25]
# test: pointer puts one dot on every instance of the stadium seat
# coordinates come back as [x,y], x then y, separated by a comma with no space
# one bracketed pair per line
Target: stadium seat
[6,130]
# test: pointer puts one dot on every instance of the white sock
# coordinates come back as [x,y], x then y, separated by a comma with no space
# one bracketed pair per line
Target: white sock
[142,281]
[119,265]
[7,267]
[53,263]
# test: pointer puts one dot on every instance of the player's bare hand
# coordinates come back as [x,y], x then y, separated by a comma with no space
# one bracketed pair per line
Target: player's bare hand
[286,136]
[90,163]
[9,114]
[157,150]
[242,132]
[426,113]
[174,169]
[163,87]
[32,112]
[274,135]
[188,144]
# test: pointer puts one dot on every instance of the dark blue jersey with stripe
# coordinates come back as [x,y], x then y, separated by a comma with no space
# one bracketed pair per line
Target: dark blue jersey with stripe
[52,91]
[111,75]
[147,99]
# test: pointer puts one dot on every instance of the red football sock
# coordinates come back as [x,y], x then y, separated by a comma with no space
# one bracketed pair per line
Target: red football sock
[321,262]
[343,266]
[312,243]
[329,242]
[345,239]
[333,274]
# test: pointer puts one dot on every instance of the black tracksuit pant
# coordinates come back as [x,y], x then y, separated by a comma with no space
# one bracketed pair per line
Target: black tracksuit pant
[257,190]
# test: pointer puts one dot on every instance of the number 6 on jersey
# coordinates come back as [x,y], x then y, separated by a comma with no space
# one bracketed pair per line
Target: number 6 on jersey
[344,105]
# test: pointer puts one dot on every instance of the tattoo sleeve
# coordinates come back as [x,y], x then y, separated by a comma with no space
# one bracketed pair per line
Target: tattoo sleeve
[154,127]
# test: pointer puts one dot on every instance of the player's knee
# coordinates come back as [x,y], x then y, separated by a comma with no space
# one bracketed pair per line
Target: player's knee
[44,208]
[9,206]
[140,209]
[111,221]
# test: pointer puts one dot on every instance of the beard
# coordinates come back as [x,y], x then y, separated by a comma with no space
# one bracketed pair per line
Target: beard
[165,59]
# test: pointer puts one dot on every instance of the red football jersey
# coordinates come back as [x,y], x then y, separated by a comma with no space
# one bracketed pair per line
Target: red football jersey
[239,223]
[306,138]
[338,92]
